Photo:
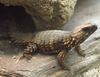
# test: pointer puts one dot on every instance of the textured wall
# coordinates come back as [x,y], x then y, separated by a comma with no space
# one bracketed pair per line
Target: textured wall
[47,14]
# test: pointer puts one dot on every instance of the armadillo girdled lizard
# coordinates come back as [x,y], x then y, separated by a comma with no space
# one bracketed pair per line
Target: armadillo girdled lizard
[58,41]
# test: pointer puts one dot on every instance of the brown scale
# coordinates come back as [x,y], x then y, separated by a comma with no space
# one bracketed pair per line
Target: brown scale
[77,42]
[67,42]
[51,44]
[73,42]
[42,47]
[19,42]
[48,47]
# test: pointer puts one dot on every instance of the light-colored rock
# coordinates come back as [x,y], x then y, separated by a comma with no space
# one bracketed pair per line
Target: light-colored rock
[47,14]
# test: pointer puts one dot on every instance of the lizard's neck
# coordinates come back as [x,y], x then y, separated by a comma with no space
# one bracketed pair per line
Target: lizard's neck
[71,41]
[79,37]
[74,39]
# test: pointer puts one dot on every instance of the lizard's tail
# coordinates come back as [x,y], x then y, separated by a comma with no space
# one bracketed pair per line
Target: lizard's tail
[16,42]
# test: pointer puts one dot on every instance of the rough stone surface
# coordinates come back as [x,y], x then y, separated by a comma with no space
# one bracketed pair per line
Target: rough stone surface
[47,14]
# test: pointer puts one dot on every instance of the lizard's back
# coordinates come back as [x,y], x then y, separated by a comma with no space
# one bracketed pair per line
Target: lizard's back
[51,39]
[46,36]
[45,40]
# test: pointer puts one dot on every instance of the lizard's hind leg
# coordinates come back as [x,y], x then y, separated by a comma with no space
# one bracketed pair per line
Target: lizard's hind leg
[29,51]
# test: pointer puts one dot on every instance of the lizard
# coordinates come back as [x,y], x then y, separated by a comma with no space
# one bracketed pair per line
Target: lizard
[58,42]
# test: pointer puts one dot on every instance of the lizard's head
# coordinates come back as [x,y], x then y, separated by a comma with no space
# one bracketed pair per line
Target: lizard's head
[84,31]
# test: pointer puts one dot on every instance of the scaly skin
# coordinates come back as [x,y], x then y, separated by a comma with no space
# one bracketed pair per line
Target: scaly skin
[59,42]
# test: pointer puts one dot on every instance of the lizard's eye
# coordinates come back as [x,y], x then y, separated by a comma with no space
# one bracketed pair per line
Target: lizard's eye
[87,29]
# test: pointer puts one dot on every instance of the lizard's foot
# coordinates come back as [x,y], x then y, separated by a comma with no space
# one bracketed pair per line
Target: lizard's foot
[79,50]
[26,56]
[29,51]
[82,54]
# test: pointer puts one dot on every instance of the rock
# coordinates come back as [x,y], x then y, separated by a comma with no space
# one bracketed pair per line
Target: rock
[47,14]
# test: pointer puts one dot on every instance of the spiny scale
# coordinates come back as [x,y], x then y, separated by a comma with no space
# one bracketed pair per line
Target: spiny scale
[50,40]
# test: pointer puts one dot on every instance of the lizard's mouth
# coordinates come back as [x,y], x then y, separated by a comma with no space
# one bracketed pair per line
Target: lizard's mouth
[93,28]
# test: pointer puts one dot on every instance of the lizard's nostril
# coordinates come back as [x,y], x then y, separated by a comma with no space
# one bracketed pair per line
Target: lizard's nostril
[94,27]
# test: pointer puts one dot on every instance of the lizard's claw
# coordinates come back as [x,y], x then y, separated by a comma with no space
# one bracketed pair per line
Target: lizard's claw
[82,54]
[28,57]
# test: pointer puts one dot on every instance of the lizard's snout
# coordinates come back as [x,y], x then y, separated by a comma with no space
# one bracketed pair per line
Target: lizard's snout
[89,28]
[94,27]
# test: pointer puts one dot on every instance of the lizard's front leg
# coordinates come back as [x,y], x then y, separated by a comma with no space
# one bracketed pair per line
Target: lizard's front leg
[79,50]
[29,51]
[61,58]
